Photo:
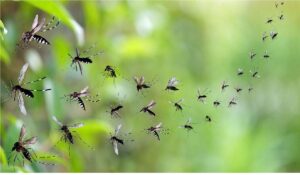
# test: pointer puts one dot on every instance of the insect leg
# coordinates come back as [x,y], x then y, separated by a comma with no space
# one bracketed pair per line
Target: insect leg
[78,136]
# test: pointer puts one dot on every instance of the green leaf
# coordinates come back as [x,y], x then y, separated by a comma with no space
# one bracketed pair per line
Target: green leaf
[56,9]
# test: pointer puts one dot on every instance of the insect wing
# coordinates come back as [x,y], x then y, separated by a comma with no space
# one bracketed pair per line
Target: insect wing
[84,92]
[158,126]
[56,121]
[22,133]
[77,125]
[38,27]
[151,104]
[35,22]
[32,140]
[136,80]
[118,129]
[142,80]
[21,103]
[115,145]
[22,73]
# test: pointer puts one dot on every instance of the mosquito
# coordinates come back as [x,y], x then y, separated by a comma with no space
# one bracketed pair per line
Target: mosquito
[224,85]
[140,83]
[254,74]
[232,102]
[216,103]
[147,109]
[266,55]
[35,28]
[240,71]
[115,110]
[67,134]
[273,34]
[208,118]
[155,130]
[238,89]
[77,60]
[250,89]
[172,84]
[188,125]
[264,36]
[202,96]
[281,17]
[18,89]
[252,55]
[177,105]
[110,71]
[79,96]
[22,148]
[116,140]
[269,21]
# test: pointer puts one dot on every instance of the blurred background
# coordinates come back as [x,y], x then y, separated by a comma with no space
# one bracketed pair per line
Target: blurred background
[201,43]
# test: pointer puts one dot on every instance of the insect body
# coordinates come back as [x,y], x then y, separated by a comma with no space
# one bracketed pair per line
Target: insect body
[18,90]
[115,140]
[202,96]
[172,84]
[252,55]
[177,105]
[188,125]
[224,85]
[273,34]
[140,83]
[35,28]
[21,146]
[216,103]
[114,110]
[155,130]
[79,96]
[264,36]
[77,60]
[232,102]
[110,71]
[147,109]
[208,118]
[240,72]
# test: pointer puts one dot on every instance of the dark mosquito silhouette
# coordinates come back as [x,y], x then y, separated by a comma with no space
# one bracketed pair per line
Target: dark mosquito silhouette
[266,55]
[18,89]
[80,96]
[117,140]
[177,105]
[202,96]
[250,89]
[216,103]
[22,148]
[232,102]
[276,4]
[78,59]
[147,109]
[172,84]
[208,118]
[273,34]
[264,36]
[252,55]
[269,21]
[156,130]
[224,86]
[140,83]
[238,89]
[254,73]
[67,134]
[115,110]
[188,125]
[281,17]
[240,72]
[110,71]
[35,28]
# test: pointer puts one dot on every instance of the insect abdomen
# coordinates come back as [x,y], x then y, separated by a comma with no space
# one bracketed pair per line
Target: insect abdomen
[26,92]
[40,39]
[85,60]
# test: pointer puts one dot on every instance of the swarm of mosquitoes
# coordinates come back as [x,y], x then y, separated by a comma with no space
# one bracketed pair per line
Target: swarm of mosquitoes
[23,146]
